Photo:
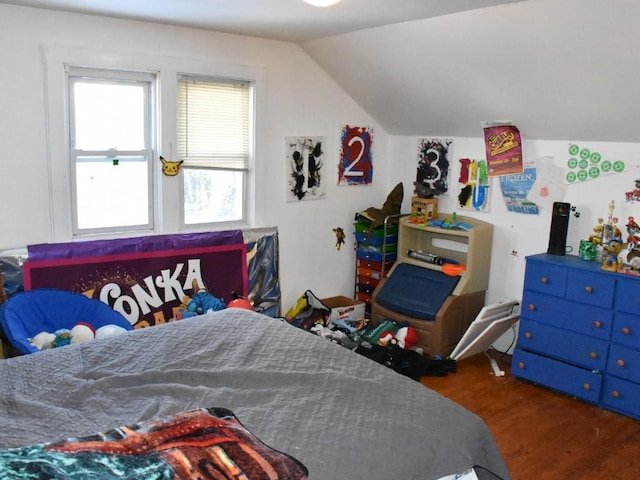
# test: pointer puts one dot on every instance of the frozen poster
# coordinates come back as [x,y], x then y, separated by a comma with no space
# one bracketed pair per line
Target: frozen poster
[516,188]
[356,156]
[305,175]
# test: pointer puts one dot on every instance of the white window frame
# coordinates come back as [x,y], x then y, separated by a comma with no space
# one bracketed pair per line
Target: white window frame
[148,81]
[218,165]
[167,190]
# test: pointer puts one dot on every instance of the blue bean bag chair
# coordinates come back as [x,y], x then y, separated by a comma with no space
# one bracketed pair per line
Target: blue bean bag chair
[26,314]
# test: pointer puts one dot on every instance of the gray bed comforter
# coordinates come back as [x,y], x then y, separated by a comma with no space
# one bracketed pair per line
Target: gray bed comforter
[342,415]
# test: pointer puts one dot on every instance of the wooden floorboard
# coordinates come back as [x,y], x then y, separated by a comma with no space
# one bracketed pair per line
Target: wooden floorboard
[544,435]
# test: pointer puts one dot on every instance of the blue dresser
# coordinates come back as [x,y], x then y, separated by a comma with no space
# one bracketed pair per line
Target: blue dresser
[580,332]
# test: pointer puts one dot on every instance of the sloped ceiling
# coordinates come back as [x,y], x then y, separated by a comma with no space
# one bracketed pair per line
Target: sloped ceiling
[559,69]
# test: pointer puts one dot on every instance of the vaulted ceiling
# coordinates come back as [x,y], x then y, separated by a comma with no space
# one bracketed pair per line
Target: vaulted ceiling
[559,69]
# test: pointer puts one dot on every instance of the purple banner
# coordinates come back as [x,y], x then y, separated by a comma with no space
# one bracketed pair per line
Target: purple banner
[147,287]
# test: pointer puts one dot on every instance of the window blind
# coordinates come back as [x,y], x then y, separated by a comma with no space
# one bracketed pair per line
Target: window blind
[213,123]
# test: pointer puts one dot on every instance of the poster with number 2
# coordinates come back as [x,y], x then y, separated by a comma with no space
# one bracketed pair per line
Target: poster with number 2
[356,156]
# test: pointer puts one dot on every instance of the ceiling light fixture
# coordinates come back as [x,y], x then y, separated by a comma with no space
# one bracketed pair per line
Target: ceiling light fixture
[321,3]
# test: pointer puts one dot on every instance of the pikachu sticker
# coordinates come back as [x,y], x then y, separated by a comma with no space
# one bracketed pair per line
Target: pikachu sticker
[170,169]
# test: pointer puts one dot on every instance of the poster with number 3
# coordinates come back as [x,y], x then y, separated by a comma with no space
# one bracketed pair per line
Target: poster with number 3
[356,156]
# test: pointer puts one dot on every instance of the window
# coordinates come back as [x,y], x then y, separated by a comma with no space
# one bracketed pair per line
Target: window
[214,125]
[111,149]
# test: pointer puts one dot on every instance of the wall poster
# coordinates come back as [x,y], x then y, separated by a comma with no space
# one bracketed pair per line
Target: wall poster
[503,145]
[356,156]
[474,184]
[432,175]
[305,174]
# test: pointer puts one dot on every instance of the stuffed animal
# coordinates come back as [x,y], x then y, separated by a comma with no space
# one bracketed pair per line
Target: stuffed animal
[82,332]
[43,340]
[109,331]
[203,302]
[406,336]
[62,337]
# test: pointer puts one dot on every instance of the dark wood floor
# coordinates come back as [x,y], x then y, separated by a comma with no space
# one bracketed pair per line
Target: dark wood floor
[544,435]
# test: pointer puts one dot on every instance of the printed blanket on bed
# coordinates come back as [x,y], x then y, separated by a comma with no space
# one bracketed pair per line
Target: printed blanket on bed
[199,443]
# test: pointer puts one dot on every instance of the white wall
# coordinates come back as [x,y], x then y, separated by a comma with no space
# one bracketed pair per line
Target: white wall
[299,99]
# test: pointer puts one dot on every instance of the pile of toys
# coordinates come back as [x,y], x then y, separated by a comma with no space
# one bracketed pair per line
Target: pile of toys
[387,342]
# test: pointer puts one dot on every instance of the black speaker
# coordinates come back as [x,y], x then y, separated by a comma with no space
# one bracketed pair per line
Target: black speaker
[559,226]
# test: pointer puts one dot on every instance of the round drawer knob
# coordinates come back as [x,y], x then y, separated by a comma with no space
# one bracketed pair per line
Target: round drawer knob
[528,335]
[625,331]
[620,363]
[531,307]
[615,394]
[593,355]
[544,280]
[520,364]
[597,323]
[586,386]
[588,289]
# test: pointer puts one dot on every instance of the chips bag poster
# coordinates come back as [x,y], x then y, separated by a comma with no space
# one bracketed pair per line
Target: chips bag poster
[504,149]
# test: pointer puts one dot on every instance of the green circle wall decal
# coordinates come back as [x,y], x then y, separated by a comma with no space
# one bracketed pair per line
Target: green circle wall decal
[606,166]
[583,164]
[573,149]
[594,172]
[582,175]
[571,177]
[595,157]
[618,166]
[585,153]
[572,163]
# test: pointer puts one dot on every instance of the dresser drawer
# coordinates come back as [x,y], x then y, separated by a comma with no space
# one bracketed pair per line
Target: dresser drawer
[626,330]
[546,278]
[582,350]
[628,295]
[366,272]
[367,281]
[374,265]
[624,363]
[621,396]
[591,288]
[577,317]
[575,381]
[543,308]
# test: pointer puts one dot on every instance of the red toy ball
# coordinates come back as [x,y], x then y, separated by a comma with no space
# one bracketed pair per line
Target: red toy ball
[240,303]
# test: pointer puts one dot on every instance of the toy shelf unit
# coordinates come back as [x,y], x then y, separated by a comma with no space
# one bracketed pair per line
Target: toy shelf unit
[579,332]
[421,288]
[469,246]
[376,252]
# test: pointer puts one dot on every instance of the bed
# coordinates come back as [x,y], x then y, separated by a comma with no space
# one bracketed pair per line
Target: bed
[335,414]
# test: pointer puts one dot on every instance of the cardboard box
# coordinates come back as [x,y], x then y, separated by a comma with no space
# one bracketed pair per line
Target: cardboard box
[423,209]
[344,307]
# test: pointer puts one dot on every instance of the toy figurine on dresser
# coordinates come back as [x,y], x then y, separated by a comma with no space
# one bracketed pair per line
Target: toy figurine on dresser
[611,260]
[612,242]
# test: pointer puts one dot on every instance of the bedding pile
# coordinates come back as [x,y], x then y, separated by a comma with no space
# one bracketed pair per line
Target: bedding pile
[339,414]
